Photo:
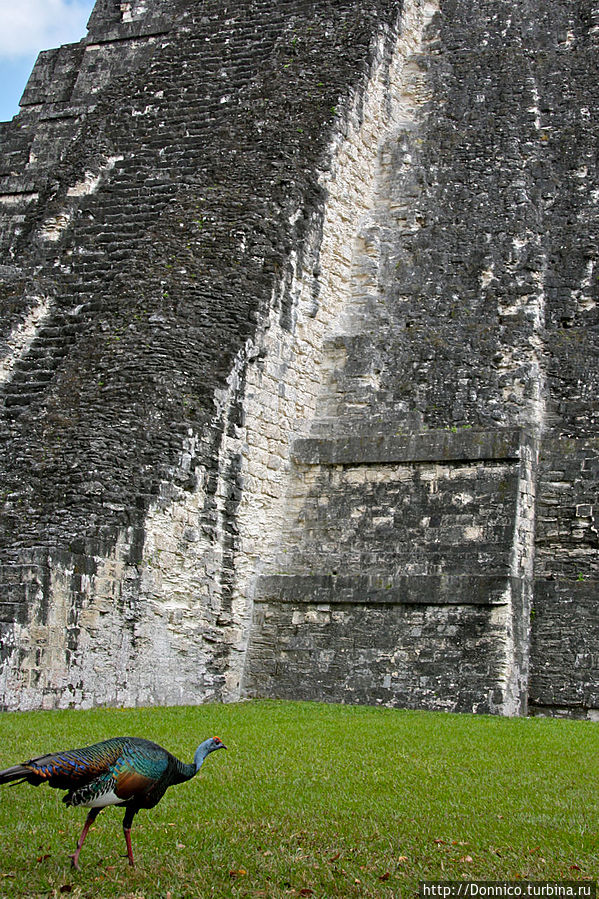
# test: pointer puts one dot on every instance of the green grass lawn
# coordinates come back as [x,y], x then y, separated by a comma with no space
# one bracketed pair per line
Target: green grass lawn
[312,800]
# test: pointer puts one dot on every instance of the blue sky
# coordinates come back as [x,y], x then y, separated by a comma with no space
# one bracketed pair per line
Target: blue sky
[26,27]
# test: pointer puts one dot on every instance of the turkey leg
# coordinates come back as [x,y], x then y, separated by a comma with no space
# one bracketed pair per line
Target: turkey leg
[127,821]
[93,814]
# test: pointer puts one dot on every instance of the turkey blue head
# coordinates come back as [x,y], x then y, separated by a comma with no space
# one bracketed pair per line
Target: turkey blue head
[205,749]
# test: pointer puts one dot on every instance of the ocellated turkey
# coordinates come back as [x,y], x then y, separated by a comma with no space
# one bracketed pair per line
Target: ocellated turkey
[124,771]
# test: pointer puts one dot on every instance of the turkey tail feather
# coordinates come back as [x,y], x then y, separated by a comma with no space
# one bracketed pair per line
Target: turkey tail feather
[17,773]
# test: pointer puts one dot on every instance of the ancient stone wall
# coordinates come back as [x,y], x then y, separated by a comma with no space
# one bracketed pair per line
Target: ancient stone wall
[154,266]
[472,310]
[298,352]
[404,582]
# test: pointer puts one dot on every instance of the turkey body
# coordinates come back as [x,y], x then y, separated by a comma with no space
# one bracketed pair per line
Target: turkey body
[123,771]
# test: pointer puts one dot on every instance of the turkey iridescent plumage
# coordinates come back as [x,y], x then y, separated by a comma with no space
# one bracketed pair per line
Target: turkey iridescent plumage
[124,771]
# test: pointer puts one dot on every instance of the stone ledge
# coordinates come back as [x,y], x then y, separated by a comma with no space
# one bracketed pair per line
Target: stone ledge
[466,590]
[130,31]
[503,444]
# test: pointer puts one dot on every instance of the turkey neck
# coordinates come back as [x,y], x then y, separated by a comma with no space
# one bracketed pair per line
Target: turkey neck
[186,772]
[200,754]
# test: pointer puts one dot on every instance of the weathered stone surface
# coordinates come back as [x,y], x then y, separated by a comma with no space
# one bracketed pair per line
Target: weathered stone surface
[160,217]
[565,637]
[428,446]
[412,656]
[445,526]
[299,358]
[383,590]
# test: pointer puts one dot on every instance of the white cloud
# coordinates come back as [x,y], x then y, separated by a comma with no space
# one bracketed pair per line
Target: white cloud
[27,26]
